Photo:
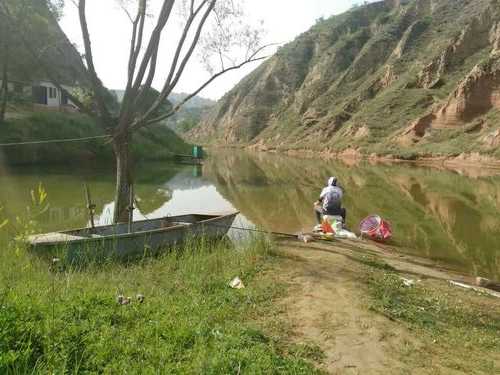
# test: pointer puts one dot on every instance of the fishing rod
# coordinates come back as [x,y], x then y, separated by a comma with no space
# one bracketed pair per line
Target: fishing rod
[290,235]
[257,230]
[303,236]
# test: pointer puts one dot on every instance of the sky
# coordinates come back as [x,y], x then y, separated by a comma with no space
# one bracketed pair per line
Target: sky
[110,32]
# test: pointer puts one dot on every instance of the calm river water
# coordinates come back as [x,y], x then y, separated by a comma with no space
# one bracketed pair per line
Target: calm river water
[448,216]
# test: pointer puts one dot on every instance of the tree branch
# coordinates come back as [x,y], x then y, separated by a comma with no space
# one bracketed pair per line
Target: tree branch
[94,79]
[146,122]
[180,45]
[131,92]
[192,47]
[147,85]
[132,51]
[154,41]
[138,46]
[169,85]
[185,33]
[4,90]
[135,48]
[125,10]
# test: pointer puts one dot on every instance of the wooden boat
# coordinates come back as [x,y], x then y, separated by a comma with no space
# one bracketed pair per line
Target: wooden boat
[147,236]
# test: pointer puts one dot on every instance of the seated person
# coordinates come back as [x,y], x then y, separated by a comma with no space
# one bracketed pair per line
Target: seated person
[330,201]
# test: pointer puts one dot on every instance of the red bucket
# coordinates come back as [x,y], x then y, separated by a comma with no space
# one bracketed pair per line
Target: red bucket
[376,228]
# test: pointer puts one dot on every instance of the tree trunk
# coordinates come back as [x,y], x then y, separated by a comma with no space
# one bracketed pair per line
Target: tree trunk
[5,83]
[124,166]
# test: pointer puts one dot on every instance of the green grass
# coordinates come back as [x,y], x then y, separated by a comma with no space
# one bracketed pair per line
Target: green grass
[68,320]
[154,143]
[461,328]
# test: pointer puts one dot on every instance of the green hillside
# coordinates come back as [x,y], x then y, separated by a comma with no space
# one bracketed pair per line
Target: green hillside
[37,25]
[188,116]
[153,143]
[407,78]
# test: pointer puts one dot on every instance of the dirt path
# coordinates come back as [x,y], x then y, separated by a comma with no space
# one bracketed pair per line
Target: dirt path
[328,306]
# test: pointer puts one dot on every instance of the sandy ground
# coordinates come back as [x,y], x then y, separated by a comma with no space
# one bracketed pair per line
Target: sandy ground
[328,306]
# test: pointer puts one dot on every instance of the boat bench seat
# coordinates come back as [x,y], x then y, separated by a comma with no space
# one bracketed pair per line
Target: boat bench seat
[53,237]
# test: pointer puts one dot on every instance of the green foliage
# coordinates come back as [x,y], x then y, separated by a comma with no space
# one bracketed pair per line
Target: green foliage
[21,339]
[26,224]
[187,125]
[56,7]
[152,143]
[375,263]
[35,22]
[467,332]
[186,118]
[190,321]
[149,98]
[3,221]
[409,155]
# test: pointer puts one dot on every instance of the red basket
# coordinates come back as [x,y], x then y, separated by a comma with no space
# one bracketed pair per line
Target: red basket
[376,228]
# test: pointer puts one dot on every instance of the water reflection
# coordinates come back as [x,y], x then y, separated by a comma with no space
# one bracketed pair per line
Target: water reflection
[438,214]
[66,195]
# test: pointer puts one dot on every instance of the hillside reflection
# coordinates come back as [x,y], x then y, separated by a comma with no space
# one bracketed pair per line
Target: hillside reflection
[438,214]
[442,215]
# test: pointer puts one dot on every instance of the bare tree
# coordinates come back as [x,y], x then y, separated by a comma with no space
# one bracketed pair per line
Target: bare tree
[215,28]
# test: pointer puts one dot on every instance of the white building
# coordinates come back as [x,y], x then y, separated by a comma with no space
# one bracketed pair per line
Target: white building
[44,94]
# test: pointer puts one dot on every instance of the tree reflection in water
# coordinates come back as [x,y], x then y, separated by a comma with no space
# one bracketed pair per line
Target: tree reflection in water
[442,215]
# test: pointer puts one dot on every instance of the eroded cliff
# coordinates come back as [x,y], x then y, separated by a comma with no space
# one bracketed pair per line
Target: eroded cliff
[404,78]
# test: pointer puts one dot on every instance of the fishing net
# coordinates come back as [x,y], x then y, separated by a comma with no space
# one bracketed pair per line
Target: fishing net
[376,228]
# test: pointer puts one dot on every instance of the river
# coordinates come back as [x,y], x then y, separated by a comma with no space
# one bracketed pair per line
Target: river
[449,216]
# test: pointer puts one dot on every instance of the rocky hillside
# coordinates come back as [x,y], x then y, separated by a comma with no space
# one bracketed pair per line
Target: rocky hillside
[190,113]
[406,78]
[188,116]
[39,26]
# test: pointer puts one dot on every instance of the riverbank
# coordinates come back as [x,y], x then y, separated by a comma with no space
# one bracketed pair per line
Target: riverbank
[355,306]
[153,143]
[306,308]
[60,320]
[353,156]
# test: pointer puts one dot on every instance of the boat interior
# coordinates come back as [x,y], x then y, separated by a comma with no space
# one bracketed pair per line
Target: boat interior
[141,226]
[118,229]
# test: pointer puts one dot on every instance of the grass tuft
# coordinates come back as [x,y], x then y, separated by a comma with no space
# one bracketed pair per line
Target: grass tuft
[458,326]
[190,321]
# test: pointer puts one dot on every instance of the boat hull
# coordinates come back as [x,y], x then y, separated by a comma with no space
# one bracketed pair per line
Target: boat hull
[147,238]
